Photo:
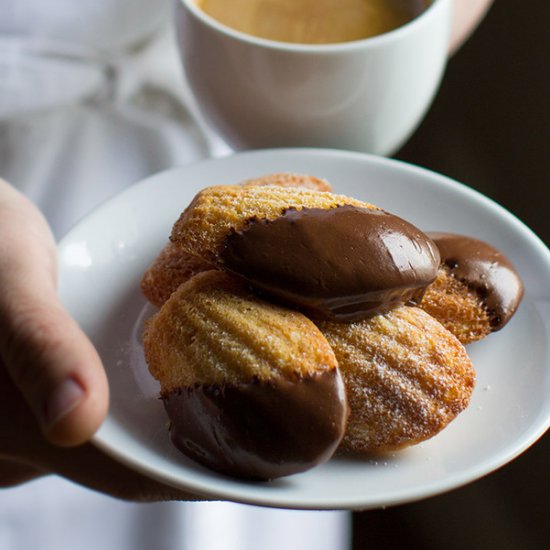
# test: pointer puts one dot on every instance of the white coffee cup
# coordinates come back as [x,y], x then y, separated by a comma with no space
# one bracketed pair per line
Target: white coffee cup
[367,95]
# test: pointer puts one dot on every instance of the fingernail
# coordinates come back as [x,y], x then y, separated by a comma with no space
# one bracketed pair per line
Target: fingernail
[63,400]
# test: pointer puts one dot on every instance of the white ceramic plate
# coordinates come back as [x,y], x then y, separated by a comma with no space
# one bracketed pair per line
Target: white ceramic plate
[101,262]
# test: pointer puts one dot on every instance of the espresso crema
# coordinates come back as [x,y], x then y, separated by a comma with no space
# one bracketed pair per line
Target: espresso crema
[313,21]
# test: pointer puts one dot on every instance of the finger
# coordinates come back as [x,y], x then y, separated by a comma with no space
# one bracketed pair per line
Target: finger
[14,473]
[55,367]
[48,357]
[87,465]
[467,14]
[24,452]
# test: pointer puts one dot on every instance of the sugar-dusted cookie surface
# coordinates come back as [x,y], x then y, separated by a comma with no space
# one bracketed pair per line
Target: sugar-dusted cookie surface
[477,290]
[169,270]
[406,378]
[290,179]
[458,308]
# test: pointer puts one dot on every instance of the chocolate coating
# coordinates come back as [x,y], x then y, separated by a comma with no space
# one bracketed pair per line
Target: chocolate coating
[260,430]
[485,270]
[339,263]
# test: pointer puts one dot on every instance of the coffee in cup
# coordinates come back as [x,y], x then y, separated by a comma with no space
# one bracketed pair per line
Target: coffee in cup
[364,95]
[313,21]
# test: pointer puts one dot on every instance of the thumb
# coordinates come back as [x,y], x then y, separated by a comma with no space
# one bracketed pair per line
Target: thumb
[55,367]
[49,358]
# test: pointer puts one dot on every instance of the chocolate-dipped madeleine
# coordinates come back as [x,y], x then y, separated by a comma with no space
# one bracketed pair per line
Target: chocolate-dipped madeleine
[217,211]
[406,378]
[329,255]
[252,389]
[477,289]
[174,266]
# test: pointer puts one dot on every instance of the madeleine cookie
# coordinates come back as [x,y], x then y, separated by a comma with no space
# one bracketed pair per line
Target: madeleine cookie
[252,389]
[406,378]
[329,255]
[173,266]
[169,270]
[477,289]
[288,179]
[217,211]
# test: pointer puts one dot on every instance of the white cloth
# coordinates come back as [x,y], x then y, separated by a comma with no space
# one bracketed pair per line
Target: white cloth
[53,514]
[73,136]
[101,24]
[68,158]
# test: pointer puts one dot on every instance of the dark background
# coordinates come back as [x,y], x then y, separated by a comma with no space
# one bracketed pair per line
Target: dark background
[489,128]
